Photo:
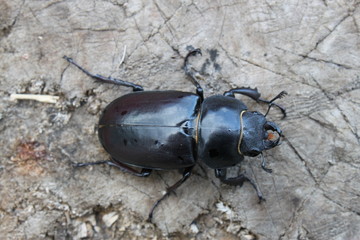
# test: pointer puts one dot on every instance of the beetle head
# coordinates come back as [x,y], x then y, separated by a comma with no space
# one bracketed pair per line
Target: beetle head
[258,134]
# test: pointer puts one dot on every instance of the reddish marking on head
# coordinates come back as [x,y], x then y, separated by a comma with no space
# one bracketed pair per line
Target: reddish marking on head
[271,136]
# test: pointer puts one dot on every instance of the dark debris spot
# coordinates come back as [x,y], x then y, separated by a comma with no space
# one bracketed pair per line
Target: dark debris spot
[213,54]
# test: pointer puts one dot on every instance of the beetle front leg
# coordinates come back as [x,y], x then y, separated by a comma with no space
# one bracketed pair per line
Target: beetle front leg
[105,79]
[238,181]
[186,175]
[255,95]
[249,92]
[145,172]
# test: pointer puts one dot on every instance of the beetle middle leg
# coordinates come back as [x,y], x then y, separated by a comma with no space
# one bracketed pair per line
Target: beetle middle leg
[189,72]
[145,172]
[106,79]
[254,94]
[186,175]
[238,181]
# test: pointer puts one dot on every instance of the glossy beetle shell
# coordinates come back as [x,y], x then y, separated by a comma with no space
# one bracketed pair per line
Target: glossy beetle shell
[152,129]
[220,131]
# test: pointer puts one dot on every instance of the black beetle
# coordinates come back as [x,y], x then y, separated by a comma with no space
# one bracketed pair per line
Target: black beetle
[172,129]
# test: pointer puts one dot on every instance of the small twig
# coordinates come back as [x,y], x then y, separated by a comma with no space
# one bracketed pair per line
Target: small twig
[36,97]
[123,57]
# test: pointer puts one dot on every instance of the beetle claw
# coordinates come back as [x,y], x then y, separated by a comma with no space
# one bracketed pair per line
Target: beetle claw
[195,51]
[282,94]
[268,170]
[263,165]
[261,199]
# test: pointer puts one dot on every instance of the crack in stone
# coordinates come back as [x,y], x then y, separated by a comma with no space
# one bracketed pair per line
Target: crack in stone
[216,8]
[222,26]
[346,119]
[301,158]
[355,85]
[49,5]
[157,31]
[5,31]
[116,4]
[162,14]
[305,56]
[325,61]
[137,189]
[321,40]
[296,214]
[98,30]
[251,63]
[339,204]
[355,24]
[228,55]
[262,67]
[322,124]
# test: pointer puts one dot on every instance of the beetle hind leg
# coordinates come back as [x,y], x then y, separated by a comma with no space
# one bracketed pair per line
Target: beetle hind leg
[186,175]
[145,172]
[105,79]
[238,181]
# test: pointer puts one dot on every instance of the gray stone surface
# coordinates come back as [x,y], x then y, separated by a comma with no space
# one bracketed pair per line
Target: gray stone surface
[311,49]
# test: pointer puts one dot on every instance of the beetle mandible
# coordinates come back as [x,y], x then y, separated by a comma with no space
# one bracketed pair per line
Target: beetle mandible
[163,130]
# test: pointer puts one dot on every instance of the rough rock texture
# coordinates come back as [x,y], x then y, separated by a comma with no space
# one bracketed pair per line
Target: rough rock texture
[311,49]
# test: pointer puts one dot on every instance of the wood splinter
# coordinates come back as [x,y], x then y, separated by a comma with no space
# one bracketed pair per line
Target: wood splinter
[36,97]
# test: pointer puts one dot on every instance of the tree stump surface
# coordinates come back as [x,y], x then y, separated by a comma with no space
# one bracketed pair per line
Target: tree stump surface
[311,49]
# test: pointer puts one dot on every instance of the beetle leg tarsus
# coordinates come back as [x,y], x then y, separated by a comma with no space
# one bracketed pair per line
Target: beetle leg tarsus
[145,172]
[186,175]
[238,181]
[263,164]
[272,103]
[89,164]
[105,79]
[191,73]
